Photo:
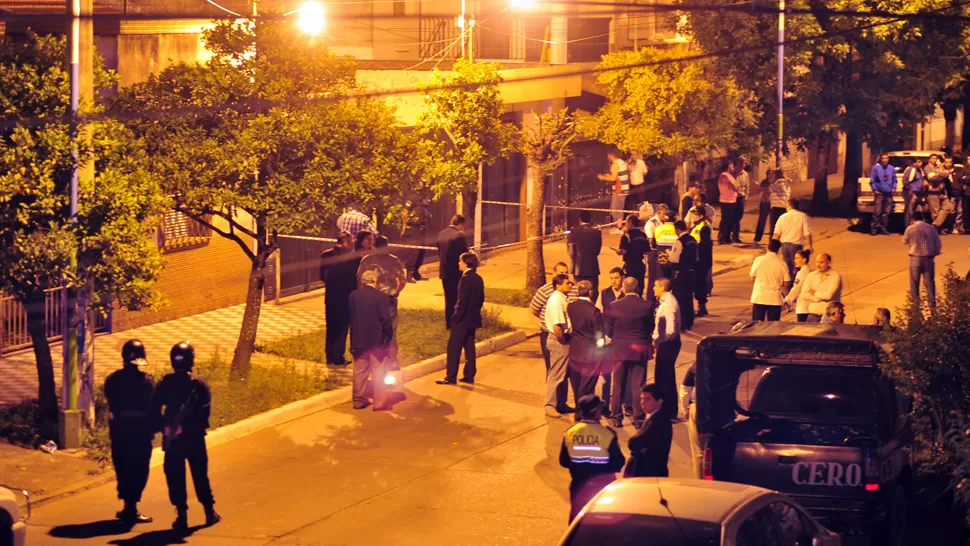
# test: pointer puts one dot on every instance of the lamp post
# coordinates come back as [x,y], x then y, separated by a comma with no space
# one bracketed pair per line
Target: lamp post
[781,83]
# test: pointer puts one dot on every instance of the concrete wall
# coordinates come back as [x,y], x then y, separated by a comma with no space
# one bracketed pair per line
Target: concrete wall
[139,56]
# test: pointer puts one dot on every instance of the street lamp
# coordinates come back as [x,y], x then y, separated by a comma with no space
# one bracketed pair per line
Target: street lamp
[312,18]
[522,4]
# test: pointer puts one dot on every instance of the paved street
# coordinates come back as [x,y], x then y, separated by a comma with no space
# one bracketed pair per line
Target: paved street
[448,466]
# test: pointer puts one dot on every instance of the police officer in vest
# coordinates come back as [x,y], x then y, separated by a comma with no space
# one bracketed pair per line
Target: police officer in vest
[592,454]
[130,427]
[183,401]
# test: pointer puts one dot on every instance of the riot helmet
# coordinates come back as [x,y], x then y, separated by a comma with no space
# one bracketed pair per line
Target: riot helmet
[183,357]
[133,353]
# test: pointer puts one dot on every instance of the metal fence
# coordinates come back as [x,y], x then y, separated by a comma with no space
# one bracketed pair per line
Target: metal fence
[13,321]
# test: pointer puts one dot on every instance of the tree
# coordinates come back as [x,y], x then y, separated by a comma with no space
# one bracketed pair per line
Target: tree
[868,77]
[108,249]
[466,104]
[546,145]
[275,141]
[673,109]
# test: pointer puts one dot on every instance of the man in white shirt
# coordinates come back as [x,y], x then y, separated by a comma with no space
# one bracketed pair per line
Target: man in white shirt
[743,183]
[638,170]
[822,286]
[771,278]
[557,322]
[795,233]
[619,175]
[666,344]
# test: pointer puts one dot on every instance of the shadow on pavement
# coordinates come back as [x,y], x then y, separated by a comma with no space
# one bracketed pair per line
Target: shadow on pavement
[162,537]
[91,530]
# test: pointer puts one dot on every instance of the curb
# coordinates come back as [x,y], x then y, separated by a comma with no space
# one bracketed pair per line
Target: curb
[293,411]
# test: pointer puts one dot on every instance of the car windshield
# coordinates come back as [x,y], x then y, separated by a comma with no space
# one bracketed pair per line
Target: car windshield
[818,393]
[608,529]
[900,162]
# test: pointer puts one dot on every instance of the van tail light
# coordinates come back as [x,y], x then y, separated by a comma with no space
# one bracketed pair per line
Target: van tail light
[708,464]
[871,468]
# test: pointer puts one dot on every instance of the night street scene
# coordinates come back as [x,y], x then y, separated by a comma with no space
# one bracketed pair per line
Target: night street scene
[485,272]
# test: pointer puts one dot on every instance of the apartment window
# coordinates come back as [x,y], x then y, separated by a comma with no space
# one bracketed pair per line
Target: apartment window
[399,7]
[179,232]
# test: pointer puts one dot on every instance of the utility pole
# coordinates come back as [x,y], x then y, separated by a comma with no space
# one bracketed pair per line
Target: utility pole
[80,60]
[781,83]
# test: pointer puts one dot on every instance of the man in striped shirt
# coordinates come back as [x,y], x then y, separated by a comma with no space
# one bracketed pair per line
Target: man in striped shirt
[538,308]
[924,245]
[619,175]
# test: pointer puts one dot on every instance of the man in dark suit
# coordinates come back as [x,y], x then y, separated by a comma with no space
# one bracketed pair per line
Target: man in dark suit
[650,446]
[607,297]
[584,243]
[630,347]
[451,245]
[371,330]
[683,256]
[338,271]
[587,345]
[466,319]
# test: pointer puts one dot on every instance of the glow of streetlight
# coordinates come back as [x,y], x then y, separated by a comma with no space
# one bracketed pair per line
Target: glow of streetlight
[522,4]
[312,18]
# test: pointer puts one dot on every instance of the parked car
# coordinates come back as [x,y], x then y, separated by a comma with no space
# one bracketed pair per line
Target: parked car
[899,160]
[13,526]
[804,409]
[672,512]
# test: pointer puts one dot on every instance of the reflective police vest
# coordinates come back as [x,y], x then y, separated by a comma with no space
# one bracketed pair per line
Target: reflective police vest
[696,232]
[666,236]
[589,443]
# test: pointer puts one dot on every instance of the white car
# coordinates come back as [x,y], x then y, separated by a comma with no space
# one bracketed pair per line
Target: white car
[899,160]
[673,512]
[13,527]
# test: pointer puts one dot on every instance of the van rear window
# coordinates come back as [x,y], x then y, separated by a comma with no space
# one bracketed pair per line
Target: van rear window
[827,394]
[602,529]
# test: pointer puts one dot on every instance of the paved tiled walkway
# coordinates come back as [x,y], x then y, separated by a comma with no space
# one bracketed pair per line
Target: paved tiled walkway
[207,332]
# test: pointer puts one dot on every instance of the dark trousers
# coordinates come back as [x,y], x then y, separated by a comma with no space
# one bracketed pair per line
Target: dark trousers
[583,377]
[596,285]
[638,272]
[370,366]
[801,317]
[461,338]
[774,214]
[338,326]
[581,492]
[653,273]
[764,209]
[738,214]
[683,288]
[130,455]
[923,267]
[965,224]
[664,375]
[418,262]
[771,313]
[882,207]
[628,377]
[191,449]
[451,298]
[562,390]
[909,206]
[727,223]
[701,289]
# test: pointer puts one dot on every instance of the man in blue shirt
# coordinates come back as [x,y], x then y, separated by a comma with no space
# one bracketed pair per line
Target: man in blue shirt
[912,189]
[882,180]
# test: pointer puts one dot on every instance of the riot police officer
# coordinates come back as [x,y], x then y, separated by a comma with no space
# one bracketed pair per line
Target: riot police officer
[183,402]
[130,427]
[592,454]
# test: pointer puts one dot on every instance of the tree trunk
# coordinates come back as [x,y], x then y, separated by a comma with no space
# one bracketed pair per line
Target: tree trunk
[820,194]
[250,322]
[852,171]
[950,117]
[535,265]
[85,363]
[966,118]
[37,327]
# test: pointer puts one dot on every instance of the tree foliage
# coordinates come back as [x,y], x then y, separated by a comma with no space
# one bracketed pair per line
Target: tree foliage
[108,250]
[666,108]
[869,77]
[275,140]
[546,144]
[466,104]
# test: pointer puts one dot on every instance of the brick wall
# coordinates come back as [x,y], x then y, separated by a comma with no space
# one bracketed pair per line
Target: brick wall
[194,281]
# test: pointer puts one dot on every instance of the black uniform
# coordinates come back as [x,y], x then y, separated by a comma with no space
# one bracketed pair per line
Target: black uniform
[451,245]
[338,270]
[636,245]
[592,454]
[187,396]
[650,448]
[131,428]
[683,285]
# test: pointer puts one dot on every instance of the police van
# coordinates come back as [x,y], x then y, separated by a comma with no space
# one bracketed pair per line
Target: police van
[803,409]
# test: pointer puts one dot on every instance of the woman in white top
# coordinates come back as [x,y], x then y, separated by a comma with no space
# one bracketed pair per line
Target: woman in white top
[801,265]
